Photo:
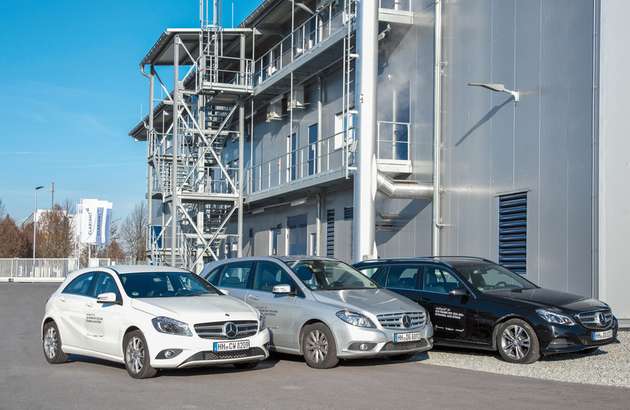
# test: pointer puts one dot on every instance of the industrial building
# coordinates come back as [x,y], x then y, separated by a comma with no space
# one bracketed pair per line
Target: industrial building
[365,129]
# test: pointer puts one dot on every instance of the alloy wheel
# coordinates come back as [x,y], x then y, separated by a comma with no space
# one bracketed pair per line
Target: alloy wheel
[51,342]
[515,342]
[134,355]
[317,346]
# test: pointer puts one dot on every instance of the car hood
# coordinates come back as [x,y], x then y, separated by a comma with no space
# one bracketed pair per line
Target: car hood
[375,301]
[540,297]
[196,309]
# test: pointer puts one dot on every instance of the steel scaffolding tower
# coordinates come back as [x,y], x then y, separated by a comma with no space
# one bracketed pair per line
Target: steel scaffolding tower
[199,190]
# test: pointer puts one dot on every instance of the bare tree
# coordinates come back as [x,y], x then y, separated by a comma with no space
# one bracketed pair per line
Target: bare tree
[3,210]
[113,250]
[13,242]
[133,232]
[55,234]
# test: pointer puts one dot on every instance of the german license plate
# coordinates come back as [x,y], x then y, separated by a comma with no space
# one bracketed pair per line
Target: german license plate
[407,337]
[230,346]
[606,334]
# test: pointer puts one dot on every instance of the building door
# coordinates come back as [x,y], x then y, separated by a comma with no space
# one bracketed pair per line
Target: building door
[297,234]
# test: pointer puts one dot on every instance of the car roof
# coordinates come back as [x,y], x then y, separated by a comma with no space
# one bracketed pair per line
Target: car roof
[143,268]
[447,260]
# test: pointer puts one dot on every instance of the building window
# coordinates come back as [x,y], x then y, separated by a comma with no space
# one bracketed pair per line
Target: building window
[312,239]
[296,225]
[513,232]
[339,128]
[330,233]
[274,239]
[312,149]
[292,157]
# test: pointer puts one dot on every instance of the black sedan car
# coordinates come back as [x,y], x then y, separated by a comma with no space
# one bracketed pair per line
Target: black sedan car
[476,303]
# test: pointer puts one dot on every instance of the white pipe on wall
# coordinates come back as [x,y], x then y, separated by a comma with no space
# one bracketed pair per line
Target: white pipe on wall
[400,189]
[437,126]
[365,175]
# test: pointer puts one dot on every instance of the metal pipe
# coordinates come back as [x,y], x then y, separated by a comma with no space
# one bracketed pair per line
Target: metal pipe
[365,176]
[403,189]
[437,127]
[241,156]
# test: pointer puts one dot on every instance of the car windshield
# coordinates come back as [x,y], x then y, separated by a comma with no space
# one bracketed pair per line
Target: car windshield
[165,285]
[488,277]
[329,275]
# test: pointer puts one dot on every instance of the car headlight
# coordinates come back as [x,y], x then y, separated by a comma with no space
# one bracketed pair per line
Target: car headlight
[171,326]
[261,321]
[354,319]
[555,318]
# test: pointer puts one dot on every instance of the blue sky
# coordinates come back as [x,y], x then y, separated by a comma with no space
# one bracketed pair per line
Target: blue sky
[72,91]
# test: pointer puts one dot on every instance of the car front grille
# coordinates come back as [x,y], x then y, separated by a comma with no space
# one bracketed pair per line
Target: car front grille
[600,319]
[237,354]
[397,321]
[215,330]
[397,347]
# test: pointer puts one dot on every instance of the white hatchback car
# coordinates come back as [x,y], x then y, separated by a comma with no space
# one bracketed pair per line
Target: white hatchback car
[149,318]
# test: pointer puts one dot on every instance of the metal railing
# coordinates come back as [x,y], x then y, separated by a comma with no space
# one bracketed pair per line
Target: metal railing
[45,269]
[206,180]
[308,161]
[307,35]
[393,141]
[220,75]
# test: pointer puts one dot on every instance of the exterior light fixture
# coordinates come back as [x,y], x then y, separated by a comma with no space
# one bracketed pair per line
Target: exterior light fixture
[500,88]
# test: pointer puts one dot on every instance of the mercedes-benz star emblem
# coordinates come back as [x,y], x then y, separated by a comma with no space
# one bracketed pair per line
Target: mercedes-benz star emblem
[405,320]
[230,330]
[600,319]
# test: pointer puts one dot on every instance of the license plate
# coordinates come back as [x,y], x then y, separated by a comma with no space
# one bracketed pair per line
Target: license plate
[230,346]
[407,337]
[606,334]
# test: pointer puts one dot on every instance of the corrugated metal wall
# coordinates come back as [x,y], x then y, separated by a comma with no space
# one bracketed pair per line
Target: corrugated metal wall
[542,144]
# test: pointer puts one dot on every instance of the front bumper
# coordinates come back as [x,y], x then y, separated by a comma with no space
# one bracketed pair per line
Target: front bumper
[379,342]
[556,339]
[196,351]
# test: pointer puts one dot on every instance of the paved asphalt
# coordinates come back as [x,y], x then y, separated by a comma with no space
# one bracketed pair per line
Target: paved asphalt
[27,381]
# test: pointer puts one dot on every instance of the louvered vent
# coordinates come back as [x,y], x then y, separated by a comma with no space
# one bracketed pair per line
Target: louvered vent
[513,232]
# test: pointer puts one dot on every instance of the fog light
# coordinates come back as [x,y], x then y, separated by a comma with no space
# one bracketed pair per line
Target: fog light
[168,353]
[364,347]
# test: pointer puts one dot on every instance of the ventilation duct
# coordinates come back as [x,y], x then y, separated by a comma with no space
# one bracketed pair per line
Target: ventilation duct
[403,189]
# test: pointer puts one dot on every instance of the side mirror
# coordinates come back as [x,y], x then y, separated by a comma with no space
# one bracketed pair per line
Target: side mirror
[282,290]
[458,292]
[107,297]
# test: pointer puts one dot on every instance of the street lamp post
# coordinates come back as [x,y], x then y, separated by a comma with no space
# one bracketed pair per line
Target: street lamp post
[37,188]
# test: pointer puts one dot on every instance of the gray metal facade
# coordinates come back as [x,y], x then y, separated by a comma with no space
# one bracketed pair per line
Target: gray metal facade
[542,144]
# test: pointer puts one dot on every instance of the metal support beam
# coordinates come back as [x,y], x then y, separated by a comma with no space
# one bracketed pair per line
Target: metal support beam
[437,127]
[174,193]
[365,175]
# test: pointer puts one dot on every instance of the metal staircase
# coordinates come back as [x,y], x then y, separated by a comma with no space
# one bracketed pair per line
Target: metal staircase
[200,192]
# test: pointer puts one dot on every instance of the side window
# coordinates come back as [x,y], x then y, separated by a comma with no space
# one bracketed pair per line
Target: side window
[377,273]
[235,275]
[80,285]
[268,275]
[105,283]
[213,276]
[403,277]
[438,280]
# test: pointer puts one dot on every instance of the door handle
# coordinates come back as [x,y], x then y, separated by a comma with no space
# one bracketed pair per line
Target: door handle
[62,300]
[253,298]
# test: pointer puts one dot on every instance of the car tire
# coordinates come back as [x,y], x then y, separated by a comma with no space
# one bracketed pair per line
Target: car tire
[318,346]
[517,342]
[51,343]
[136,356]
[246,365]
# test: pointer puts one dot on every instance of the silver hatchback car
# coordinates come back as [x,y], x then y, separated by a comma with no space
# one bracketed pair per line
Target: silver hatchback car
[324,309]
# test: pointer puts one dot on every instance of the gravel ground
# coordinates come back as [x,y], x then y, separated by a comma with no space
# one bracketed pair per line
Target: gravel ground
[610,365]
